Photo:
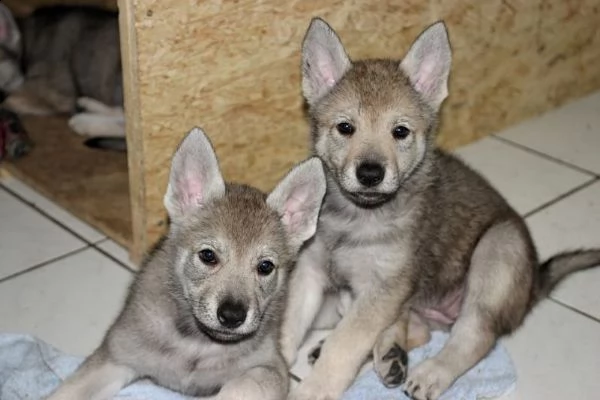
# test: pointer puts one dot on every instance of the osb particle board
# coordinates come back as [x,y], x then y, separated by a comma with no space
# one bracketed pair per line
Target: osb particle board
[233,68]
[91,184]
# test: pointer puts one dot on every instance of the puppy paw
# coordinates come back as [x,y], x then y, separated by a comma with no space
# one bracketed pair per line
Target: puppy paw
[428,380]
[314,354]
[391,364]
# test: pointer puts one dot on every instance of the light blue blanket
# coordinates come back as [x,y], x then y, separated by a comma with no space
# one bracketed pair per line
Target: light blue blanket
[493,377]
[31,369]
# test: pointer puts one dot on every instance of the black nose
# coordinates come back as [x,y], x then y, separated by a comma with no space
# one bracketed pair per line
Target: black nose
[231,314]
[370,174]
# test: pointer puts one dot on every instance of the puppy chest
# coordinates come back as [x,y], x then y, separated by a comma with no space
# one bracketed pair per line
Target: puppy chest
[361,267]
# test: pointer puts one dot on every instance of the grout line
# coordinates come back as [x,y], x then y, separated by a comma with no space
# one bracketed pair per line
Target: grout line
[43,264]
[45,214]
[561,197]
[544,155]
[294,377]
[89,243]
[113,258]
[97,242]
[582,313]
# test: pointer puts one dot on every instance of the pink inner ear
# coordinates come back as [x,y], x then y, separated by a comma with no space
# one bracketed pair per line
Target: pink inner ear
[426,76]
[3,31]
[325,70]
[191,192]
[293,213]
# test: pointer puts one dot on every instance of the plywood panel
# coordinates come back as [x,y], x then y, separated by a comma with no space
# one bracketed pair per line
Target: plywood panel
[233,68]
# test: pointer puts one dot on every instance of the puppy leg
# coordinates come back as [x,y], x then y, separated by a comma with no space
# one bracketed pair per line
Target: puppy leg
[97,107]
[346,349]
[390,356]
[259,383]
[499,284]
[99,125]
[305,297]
[96,379]
[334,307]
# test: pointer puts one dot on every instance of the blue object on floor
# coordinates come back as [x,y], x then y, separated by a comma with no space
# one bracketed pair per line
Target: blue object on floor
[32,369]
[493,377]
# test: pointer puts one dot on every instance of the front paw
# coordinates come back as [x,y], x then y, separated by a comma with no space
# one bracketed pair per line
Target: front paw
[309,392]
[428,380]
[390,364]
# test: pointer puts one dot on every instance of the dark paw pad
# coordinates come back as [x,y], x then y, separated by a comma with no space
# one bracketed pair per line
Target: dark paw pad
[398,361]
[314,354]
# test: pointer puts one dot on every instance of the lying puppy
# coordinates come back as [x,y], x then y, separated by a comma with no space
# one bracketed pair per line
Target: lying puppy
[419,239]
[202,316]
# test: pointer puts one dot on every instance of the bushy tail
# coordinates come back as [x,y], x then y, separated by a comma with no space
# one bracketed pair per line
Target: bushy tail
[553,270]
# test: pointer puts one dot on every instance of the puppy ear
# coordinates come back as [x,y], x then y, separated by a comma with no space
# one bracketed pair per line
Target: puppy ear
[297,199]
[195,178]
[427,64]
[324,60]
[10,36]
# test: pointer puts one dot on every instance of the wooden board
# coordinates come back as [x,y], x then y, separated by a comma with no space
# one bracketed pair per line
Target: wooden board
[233,68]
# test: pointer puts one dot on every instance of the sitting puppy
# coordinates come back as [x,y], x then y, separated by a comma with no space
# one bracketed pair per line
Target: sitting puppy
[202,317]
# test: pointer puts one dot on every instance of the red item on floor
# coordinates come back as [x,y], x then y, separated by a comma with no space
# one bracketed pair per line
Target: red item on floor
[14,141]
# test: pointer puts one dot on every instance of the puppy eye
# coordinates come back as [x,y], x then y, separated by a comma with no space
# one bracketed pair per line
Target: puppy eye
[400,132]
[208,257]
[265,267]
[345,128]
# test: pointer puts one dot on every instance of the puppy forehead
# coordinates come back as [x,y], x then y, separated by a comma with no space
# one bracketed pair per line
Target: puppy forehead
[241,219]
[369,89]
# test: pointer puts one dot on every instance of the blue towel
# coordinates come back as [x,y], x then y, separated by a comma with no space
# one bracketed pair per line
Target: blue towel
[32,369]
[493,377]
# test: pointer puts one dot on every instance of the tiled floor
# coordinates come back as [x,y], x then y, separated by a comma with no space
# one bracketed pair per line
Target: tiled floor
[64,282]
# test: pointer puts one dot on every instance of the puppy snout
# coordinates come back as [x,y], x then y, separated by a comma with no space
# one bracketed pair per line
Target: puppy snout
[370,174]
[232,314]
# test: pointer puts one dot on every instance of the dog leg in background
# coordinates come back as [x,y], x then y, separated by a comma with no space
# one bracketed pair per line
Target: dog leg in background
[349,345]
[98,119]
[390,358]
[305,298]
[94,106]
[96,379]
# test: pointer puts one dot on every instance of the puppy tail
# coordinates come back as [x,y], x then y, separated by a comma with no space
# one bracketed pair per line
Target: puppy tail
[553,270]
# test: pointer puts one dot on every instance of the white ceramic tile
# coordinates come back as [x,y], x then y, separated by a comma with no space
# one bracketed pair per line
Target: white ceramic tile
[118,252]
[570,133]
[27,238]
[69,303]
[525,179]
[53,210]
[556,355]
[573,222]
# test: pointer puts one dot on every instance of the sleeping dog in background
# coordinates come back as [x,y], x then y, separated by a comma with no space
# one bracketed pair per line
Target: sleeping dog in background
[419,239]
[203,315]
[61,59]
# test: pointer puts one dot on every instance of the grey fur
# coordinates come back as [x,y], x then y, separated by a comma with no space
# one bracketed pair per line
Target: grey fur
[408,247]
[170,329]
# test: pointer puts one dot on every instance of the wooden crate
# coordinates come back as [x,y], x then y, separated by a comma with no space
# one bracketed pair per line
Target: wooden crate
[232,67]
